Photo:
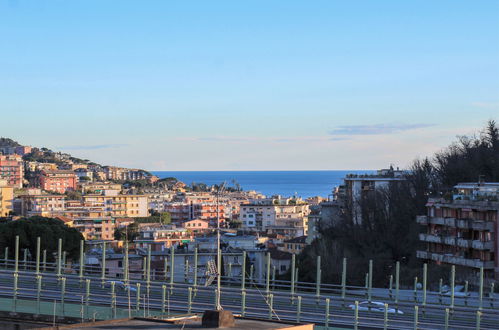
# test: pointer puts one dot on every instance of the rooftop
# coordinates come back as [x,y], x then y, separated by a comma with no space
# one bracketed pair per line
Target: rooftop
[192,322]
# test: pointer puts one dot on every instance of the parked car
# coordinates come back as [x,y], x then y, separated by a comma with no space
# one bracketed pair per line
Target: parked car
[375,306]
[458,291]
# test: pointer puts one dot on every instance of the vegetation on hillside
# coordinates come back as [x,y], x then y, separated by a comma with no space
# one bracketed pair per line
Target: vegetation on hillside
[6,142]
[388,231]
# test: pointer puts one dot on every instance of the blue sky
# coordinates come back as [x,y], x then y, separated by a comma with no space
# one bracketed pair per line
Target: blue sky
[247,85]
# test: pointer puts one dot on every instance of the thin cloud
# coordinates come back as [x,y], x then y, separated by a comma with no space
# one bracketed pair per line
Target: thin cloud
[486,105]
[253,139]
[376,129]
[93,147]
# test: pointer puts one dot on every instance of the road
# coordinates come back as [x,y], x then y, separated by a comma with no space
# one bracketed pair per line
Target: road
[162,298]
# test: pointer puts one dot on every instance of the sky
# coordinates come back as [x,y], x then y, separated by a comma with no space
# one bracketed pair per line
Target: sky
[247,85]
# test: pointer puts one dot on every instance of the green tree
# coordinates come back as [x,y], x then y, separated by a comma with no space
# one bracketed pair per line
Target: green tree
[48,229]
[166,218]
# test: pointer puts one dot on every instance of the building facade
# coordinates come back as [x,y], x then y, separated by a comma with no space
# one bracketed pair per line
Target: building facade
[58,181]
[464,231]
[12,170]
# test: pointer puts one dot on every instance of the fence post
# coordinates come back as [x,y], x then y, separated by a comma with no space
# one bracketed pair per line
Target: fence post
[6,256]
[113,299]
[318,278]
[38,292]
[327,313]
[491,295]
[87,295]
[148,269]
[267,279]
[478,318]
[16,255]
[425,280]
[82,259]
[163,298]
[37,269]
[195,269]
[189,300]
[243,272]
[16,278]
[465,293]
[446,327]
[390,286]
[344,281]
[452,285]
[271,305]
[44,260]
[25,259]
[415,289]
[397,283]
[103,274]
[59,257]
[385,317]
[243,303]
[416,312]
[126,275]
[298,310]
[370,282]
[293,265]
[172,266]
[480,290]
[356,316]
[63,293]
[137,307]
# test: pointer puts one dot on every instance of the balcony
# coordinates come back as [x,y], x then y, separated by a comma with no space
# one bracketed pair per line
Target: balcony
[422,219]
[430,238]
[455,260]
[479,245]
[482,225]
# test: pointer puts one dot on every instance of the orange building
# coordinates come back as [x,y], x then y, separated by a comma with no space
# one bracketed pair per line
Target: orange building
[59,181]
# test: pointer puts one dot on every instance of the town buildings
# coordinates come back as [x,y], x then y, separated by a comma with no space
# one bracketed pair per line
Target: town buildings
[161,237]
[12,170]
[118,205]
[285,216]
[58,181]
[463,231]
[358,187]
[6,198]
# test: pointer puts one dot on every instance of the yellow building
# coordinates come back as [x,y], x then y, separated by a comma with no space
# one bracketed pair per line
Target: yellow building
[6,198]
[118,206]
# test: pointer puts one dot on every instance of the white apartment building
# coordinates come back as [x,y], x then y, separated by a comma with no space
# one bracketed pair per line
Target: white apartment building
[275,215]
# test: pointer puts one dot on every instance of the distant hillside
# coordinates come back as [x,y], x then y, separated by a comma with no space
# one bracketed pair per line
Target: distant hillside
[6,142]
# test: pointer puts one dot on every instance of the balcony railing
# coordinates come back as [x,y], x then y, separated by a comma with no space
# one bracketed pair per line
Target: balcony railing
[455,260]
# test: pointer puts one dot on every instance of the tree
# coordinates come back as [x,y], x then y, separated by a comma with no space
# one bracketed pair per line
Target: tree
[48,229]
[166,218]
[131,232]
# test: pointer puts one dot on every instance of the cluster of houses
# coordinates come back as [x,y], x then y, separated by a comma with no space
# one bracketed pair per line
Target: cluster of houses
[461,231]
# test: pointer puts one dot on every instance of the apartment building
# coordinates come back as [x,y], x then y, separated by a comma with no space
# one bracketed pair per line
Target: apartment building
[6,199]
[118,206]
[92,228]
[162,237]
[359,186]
[58,181]
[276,215]
[464,231]
[12,170]
[42,205]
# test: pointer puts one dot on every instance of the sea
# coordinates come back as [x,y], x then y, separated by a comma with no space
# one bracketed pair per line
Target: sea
[285,183]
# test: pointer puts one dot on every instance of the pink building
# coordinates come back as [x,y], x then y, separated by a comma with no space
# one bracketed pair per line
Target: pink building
[58,181]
